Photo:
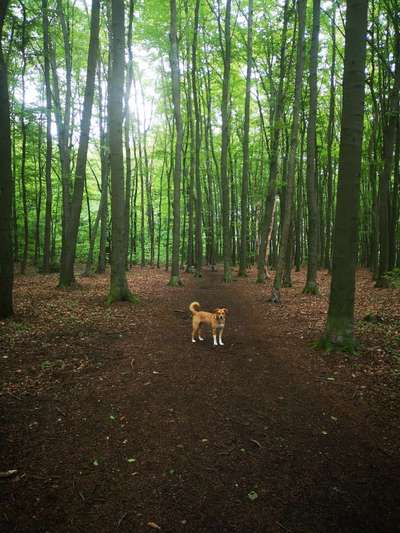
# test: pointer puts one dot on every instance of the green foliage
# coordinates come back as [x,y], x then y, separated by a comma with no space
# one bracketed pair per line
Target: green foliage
[393,278]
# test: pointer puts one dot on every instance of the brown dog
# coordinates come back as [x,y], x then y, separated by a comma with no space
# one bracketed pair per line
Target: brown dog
[216,320]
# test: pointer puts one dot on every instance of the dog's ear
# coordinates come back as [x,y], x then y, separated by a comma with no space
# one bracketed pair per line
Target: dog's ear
[226,310]
[215,311]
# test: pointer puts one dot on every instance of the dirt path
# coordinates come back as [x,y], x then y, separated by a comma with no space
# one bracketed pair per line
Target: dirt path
[160,432]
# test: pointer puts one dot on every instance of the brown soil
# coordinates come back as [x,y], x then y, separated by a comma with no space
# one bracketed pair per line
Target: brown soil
[115,421]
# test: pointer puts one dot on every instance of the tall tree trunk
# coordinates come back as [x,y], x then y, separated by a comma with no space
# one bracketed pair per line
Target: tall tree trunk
[311,286]
[63,122]
[339,327]
[330,137]
[119,284]
[105,171]
[196,101]
[72,224]
[38,192]
[127,129]
[267,221]
[394,211]
[389,135]
[49,142]
[286,241]
[176,98]
[225,111]
[24,258]
[243,260]
[6,186]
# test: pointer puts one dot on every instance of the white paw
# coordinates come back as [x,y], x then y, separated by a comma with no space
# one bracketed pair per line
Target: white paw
[201,338]
[215,344]
[193,340]
[221,343]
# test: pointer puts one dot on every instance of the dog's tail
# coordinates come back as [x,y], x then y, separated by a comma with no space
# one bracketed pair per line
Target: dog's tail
[193,306]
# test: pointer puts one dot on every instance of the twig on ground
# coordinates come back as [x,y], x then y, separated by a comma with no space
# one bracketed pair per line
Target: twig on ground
[283,527]
[121,519]
[8,473]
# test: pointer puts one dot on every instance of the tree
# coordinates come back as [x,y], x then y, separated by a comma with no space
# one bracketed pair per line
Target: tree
[267,221]
[246,127]
[176,98]
[119,285]
[6,185]
[196,101]
[225,112]
[72,221]
[287,217]
[339,327]
[311,286]
[49,140]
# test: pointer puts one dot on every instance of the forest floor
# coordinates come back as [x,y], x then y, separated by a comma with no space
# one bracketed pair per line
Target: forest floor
[116,422]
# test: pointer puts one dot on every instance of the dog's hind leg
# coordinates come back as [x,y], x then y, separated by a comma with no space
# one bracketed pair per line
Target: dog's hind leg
[199,334]
[194,331]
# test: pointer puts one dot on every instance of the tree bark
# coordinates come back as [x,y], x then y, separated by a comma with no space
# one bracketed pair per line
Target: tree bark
[198,248]
[49,143]
[286,241]
[243,260]
[6,186]
[311,286]
[339,327]
[176,98]
[119,285]
[267,221]
[72,223]
[225,111]
[329,141]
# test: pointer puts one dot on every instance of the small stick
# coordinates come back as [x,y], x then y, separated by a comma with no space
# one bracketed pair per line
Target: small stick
[282,526]
[120,520]
[8,473]
[14,396]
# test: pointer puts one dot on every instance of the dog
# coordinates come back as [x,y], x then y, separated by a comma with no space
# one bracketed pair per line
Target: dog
[216,320]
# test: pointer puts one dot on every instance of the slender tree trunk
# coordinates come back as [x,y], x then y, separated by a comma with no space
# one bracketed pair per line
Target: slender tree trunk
[330,137]
[243,260]
[49,142]
[311,286]
[339,328]
[63,122]
[394,212]
[225,111]
[127,129]
[105,170]
[38,192]
[24,258]
[176,98]
[198,201]
[389,135]
[286,242]
[119,284]
[267,221]
[72,225]
[6,186]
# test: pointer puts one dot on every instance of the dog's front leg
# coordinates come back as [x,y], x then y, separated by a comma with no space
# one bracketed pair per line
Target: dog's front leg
[214,334]
[220,337]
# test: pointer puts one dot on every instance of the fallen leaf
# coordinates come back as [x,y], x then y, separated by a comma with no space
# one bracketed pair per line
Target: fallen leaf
[153,525]
[252,495]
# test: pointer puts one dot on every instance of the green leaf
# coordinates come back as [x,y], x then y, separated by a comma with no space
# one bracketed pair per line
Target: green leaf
[252,495]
